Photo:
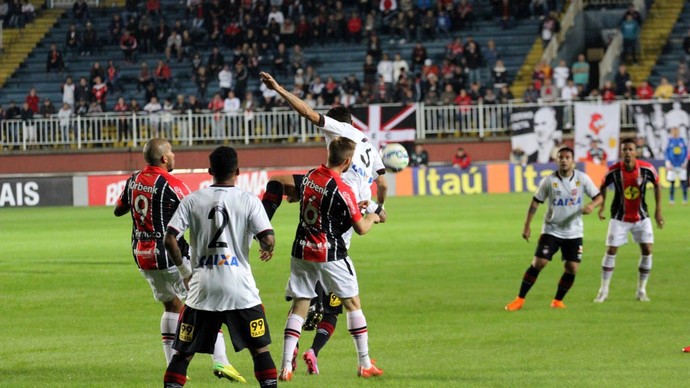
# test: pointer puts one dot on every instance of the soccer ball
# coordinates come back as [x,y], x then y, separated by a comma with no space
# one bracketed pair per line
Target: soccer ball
[394,157]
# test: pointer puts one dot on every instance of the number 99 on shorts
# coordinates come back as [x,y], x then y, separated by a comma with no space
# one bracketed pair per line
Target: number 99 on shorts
[257,328]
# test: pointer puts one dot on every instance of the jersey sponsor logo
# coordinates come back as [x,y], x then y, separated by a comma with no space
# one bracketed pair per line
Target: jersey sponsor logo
[631,192]
[211,260]
[314,246]
[361,172]
[142,187]
[186,332]
[306,182]
[575,201]
[257,328]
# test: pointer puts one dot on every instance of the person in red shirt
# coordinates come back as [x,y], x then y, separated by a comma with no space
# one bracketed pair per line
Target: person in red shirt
[354,28]
[99,92]
[461,159]
[608,93]
[645,91]
[162,75]
[33,100]
[629,213]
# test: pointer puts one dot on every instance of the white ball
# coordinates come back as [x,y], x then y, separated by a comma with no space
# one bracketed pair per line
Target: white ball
[394,157]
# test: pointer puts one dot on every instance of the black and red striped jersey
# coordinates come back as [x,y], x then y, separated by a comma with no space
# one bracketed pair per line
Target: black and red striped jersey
[152,196]
[328,208]
[630,189]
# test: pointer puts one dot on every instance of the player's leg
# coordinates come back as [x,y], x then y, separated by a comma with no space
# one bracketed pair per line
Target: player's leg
[291,334]
[546,247]
[643,234]
[684,184]
[572,255]
[171,314]
[278,186]
[248,328]
[671,178]
[168,288]
[616,236]
[332,307]
[176,372]
[222,368]
[264,367]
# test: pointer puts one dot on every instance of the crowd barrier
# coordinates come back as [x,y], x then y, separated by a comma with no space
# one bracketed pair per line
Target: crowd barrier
[104,190]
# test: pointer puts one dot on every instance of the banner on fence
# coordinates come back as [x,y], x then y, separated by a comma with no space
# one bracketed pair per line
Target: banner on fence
[654,122]
[597,132]
[535,130]
[31,192]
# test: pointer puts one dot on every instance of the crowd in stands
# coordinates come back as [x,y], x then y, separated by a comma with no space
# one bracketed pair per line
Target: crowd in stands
[16,13]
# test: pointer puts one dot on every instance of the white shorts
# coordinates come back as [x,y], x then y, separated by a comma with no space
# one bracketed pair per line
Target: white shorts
[674,173]
[166,284]
[618,232]
[338,277]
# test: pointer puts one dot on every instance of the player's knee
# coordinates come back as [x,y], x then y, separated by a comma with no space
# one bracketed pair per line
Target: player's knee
[646,249]
[611,251]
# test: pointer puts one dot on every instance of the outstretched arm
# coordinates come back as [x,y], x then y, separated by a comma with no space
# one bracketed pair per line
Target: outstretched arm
[298,105]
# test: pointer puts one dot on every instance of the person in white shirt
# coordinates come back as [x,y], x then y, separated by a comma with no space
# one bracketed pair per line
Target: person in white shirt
[68,92]
[64,115]
[222,220]
[561,74]
[569,91]
[232,104]
[399,65]
[225,80]
[276,15]
[564,193]
[385,69]
[153,108]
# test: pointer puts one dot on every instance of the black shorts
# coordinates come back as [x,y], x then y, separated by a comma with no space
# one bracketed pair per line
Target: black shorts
[571,248]
[197,330]
[331,303]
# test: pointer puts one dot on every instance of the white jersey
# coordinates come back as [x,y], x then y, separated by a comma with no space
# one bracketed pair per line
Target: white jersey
[222,223]
[366,162]
[565,199]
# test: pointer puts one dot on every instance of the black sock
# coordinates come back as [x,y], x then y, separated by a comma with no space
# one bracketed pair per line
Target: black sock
[176,374]
[272,198]
[528,280]
[324,332]
[265,370]
[564,285]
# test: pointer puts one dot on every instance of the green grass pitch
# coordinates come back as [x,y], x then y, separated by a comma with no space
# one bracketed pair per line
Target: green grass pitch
[434,280]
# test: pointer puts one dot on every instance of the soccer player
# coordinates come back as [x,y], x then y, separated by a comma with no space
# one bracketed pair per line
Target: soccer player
[564,192]
[319,253]
[152,196]
[629,178]
[222,220]
[366,168]
[676,163]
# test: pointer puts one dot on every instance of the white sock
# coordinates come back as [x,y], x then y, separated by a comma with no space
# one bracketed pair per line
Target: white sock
[645,266]
[219,355]
[357,325]
[168,328]
[608,263]
[293,330]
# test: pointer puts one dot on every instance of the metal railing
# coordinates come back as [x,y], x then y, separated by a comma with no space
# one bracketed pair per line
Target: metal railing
[113,130]
[70,3]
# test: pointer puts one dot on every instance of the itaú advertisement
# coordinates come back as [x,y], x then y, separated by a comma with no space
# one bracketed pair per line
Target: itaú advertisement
[492,178]
[106,189]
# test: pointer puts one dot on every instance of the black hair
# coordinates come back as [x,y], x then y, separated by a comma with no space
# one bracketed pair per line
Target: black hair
[223,161]
[628,140]
[340,113]
[567,149]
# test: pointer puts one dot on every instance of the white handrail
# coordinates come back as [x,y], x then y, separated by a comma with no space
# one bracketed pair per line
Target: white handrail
[613,53]
[567,22]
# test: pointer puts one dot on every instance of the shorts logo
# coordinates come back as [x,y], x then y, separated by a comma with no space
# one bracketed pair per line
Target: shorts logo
[579,252]
[545,251]
[186,332]
[257,328]
[631,192]
[334,301]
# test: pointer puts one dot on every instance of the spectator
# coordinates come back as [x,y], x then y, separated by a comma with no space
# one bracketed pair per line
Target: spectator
[631,11]
[145,77]
[73,39]
[561,73]
[419,158]
[419,55]
[430,68]
[473,60]
[115,29]
[154,108]
[427,26]
[548,28]
[174,45]
[580,71]
[608,93]
[134,106]
[99,92]
[123,118]
[281,60]
[96,71]
[531,95]
[28,13]
[444,25]
[90,40]
[370,72]
[621,79]
[151,91]
[144,38]
[64,118]
[569,92]
[642,149]
[461,159]
[297,58]
[241,79]
[153,7]
[54,60]
[4,11]
[385,69]
[215,62]
[202,80]
[491,54]
[29,127]
[518,156]
[549,93]
[163,76]
[113,77]
[47,109]
[399,66]
[32,100]
[465,15]
[596,154]
[682,73]
[454,51]
[80,11]
[630,30]
[499,75]
[68,92]
[225,80]
[232,104]
[128,45]
[680,90]
[664,90]
[160,36]
[505,95]
[354,28]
